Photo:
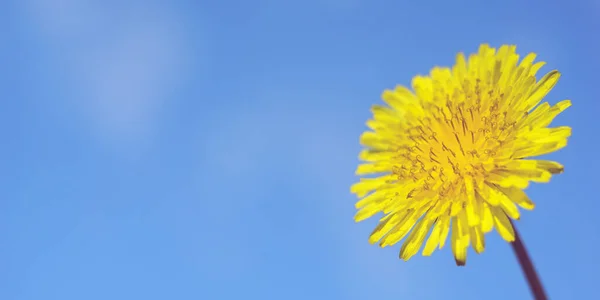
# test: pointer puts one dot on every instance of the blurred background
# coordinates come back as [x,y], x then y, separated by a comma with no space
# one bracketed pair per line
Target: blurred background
[205,149]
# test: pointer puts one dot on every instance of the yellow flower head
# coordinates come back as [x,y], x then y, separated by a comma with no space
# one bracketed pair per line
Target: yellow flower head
[453,153]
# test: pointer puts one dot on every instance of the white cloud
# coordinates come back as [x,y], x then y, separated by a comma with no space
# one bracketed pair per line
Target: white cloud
[123,61]
[127,80]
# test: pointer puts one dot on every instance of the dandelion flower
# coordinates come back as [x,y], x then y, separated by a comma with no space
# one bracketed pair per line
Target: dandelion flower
[453,157]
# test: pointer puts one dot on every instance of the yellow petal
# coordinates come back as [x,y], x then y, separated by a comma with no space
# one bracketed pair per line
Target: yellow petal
[518,174]
[504,201]
[385,225]
[542,88]
[543,115]
[477,239]
[399,202]
[423,87]
[364,169]
[472,204]
[536,67]
[463,227]
[502,224]
[485,50]
[473,64]
[487,219]
[377,196]
[510,208]
[484,191]
[497,72]
[534,165]
[442,207]
[456,208]
[434,238]
[373,140]
[385,114]
[441,76]
[537,175]
[458,246]
[493,195]
[460,68]
[540,111]
[541,149]
[519,197]
[444,230]
[547,135]
[399,98]
[415,240]
[369,211]
[505,179]
[528,60]
[365,185]
[550,166]
[544,135]
[542,141]
[401,229]
[376,155]
[509,59]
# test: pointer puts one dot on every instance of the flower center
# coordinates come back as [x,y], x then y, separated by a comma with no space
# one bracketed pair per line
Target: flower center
[463,136]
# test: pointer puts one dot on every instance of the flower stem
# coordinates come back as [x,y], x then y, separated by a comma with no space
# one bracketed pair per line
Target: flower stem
[527,266]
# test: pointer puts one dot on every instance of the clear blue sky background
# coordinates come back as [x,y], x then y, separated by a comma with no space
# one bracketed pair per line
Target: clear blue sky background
[205,149]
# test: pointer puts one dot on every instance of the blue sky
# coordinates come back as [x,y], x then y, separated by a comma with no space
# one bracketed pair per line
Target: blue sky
[205,149]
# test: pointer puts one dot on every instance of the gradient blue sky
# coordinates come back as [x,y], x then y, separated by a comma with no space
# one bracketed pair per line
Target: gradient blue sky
[205,149]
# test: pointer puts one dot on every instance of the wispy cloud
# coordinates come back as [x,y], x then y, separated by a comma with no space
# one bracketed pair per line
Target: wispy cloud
[123,61]
[128,80]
